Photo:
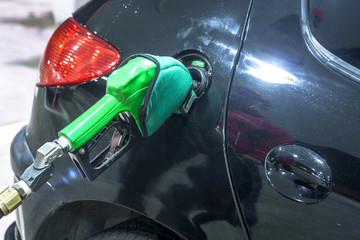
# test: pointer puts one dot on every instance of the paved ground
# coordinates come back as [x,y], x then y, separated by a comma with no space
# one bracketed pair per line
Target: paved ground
[25,26]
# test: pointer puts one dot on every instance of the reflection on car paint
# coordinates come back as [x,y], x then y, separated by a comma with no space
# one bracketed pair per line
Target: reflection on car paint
[268,72]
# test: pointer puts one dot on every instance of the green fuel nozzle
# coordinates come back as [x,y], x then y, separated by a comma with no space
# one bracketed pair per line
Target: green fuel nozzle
[125,91]
[150,88]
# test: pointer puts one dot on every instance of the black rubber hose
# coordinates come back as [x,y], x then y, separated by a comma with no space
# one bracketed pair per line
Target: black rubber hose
[1,214]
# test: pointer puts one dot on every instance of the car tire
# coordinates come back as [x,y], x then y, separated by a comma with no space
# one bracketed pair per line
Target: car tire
[139,229]
[124,235]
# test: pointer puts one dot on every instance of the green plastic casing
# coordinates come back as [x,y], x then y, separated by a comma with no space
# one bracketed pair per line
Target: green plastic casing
[125,91]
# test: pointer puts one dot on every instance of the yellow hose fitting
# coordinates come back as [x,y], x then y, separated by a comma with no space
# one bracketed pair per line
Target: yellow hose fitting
[12,197]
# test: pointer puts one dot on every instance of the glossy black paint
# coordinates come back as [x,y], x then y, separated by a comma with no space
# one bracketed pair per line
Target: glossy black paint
[20,153]
[281,93]
[177,177]
[274,91]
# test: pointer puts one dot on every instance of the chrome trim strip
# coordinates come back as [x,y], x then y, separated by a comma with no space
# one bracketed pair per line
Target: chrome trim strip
[328,58]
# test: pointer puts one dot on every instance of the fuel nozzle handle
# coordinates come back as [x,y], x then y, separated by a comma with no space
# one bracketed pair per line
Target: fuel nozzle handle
[125,91]
[150,87]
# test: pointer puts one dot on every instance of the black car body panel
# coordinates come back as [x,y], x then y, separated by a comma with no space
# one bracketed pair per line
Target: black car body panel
[177,177]
[282,94]
[203,176]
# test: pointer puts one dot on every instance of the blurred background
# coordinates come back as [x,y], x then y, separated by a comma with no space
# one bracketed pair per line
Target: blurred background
[25,28]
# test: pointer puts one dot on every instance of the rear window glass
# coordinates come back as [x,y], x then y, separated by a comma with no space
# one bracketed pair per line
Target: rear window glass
[336,25]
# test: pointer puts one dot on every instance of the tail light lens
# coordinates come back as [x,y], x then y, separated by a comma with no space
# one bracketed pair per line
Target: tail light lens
[74,55]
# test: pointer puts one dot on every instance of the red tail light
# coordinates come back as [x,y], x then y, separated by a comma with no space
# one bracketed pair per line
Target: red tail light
[74,55]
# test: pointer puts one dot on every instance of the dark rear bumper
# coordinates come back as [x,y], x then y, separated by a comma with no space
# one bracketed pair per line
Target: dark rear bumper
[20,154]
[12,233]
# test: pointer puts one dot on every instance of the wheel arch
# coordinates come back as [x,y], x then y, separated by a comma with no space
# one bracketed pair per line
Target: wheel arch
[82,219]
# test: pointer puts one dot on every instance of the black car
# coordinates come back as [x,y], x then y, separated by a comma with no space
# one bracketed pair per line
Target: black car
[270,151]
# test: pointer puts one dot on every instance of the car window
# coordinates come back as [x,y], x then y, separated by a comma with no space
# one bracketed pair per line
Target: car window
[335,24]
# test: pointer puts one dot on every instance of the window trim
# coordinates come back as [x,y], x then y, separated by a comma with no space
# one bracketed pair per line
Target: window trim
[321,53]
